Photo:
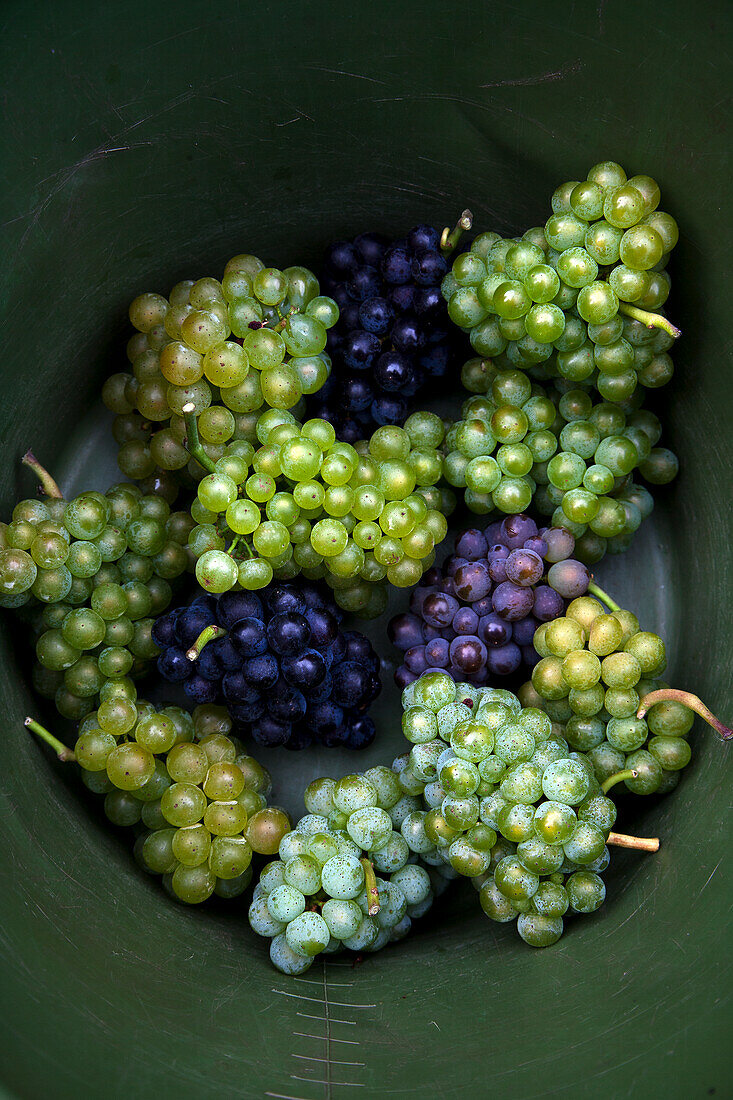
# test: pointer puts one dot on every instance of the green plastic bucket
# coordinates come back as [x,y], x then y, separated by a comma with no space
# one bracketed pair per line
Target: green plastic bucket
[146,143]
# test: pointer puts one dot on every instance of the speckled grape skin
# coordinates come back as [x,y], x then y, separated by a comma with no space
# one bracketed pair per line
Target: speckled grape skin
[386,784]
[319,796]
[392,856]
[308,934]
[539,931]
[392,904]
[304,874]
[450,716]
[342,877]
[407,805]
[586,844]
[414,882]
[343,917]
[554,822]
[565,781]
[513,744]
[370,827]
[312,823]
[413,830]
[586,891]
[285,903]
[419,724]
[364,937]
[292,844]
[434,690]
[353,792]
[272,875]
[261,921]
[284,958]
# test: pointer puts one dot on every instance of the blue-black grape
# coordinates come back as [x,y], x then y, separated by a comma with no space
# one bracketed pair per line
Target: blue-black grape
[279,662]
[393,335]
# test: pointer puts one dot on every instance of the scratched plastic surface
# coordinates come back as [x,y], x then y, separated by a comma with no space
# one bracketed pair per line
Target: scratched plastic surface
[144,145]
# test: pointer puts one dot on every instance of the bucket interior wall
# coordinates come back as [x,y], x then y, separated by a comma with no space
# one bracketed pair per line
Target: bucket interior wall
[145,144]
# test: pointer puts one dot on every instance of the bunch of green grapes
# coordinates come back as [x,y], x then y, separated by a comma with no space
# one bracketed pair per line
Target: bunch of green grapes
[198,345]
[93,572]
[596,668]
[197,800]
[580,297]
[305,503]
[322,894]
[518,442]
[507,803]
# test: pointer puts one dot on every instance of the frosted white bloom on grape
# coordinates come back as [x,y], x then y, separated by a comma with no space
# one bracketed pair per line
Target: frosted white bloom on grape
[261,921]
[424,760]
[433,795]
[271,876]
[343,917]
[392,856]
[312,823]
[370,827]
[284,958]
[285,903]
[346,846]
[414,882]
[342,877]
[308,934]
[434,690]
[392,904]
[364,936]
[410,782]
[304,873]
[318,796]
[407,805]
[386,784]
[420,908]
[293,844]
[413,830]
[450,716]
[353,792]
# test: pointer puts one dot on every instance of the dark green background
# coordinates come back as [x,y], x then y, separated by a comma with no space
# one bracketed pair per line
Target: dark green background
[148,142]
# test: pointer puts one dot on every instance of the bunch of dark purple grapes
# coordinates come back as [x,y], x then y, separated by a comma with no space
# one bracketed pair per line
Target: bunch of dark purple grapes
[476,616]
[393,334]
[280,663]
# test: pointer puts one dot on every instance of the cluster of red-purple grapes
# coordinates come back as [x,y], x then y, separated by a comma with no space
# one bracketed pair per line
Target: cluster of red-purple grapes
[286,672]
[393,332]
[476,616]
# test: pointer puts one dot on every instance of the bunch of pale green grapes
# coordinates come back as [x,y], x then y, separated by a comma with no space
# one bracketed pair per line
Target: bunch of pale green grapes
[198,345]
[349,875]
[518,442]
[197,800]
[93,572]
[579,297]
[507,803]
[305,503]
[596,667]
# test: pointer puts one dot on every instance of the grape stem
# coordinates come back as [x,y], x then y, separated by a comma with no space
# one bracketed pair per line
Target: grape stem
[651,320]
[640,843]
[370,881]
[450,237]
[693,702]
[193,443]
[62,751]
[618,777]
[601,595]
[48,485]
[208,634]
